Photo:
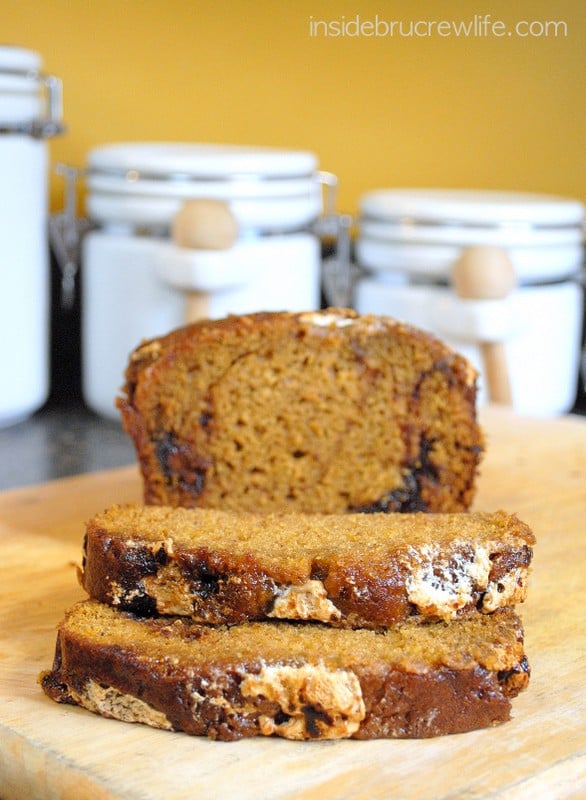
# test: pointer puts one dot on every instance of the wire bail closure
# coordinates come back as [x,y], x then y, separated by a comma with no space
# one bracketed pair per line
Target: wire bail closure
[50,122]
[66,231]
[65,234]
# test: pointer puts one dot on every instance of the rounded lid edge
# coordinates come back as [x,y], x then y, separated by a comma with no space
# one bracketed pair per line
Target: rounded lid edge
[472,206]
[193,159]
[19,59]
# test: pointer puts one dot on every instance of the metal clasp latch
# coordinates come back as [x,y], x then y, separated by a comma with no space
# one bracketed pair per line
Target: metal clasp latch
[335,229]
[65,234]
[50,122]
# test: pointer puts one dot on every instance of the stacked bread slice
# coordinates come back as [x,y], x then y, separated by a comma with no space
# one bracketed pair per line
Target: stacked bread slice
[305,626]
[252,595]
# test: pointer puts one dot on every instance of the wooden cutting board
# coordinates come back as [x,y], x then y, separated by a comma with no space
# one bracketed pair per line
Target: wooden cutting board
[536,468]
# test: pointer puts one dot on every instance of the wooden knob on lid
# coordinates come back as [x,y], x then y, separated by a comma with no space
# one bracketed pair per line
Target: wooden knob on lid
[486,273]
[203,224]
[483,273]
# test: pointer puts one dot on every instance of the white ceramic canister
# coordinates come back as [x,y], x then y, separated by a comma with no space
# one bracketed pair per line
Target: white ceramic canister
[136,281]
[407,244]
[30,112]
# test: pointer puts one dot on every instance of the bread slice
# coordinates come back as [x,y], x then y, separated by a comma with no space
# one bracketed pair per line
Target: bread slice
[323,411]
[292,680]
[349,570]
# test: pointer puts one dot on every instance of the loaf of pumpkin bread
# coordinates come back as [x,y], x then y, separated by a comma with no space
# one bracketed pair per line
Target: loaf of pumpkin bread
[347,570]
[293,680]
[323,411]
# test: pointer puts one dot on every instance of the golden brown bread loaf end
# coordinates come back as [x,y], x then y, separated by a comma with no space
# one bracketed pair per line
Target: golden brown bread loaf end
[327,412]
[347,570]
[299,681]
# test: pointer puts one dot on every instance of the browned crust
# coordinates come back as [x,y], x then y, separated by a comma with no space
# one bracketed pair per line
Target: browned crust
[426,480]
[402,699]
[136,558]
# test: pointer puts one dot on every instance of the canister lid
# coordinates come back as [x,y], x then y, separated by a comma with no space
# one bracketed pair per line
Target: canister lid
[30,101]
[145,183]
[18,59]
[481,208]
[18,71]
[422,231]
[200,160]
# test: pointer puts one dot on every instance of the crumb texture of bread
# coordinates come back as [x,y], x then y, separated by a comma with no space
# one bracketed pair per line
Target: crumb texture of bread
[326,411]
[298,681]
[347,570]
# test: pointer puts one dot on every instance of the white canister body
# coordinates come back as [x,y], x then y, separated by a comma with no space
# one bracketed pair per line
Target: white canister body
[24,293]
[24,268]
[543,338]
[127,297]
[137,283]
[406,251]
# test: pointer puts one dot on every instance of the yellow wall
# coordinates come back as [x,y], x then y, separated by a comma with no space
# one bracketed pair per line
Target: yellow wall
[485,111]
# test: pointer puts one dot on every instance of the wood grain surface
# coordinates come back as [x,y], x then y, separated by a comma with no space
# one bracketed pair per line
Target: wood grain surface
[536,468]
